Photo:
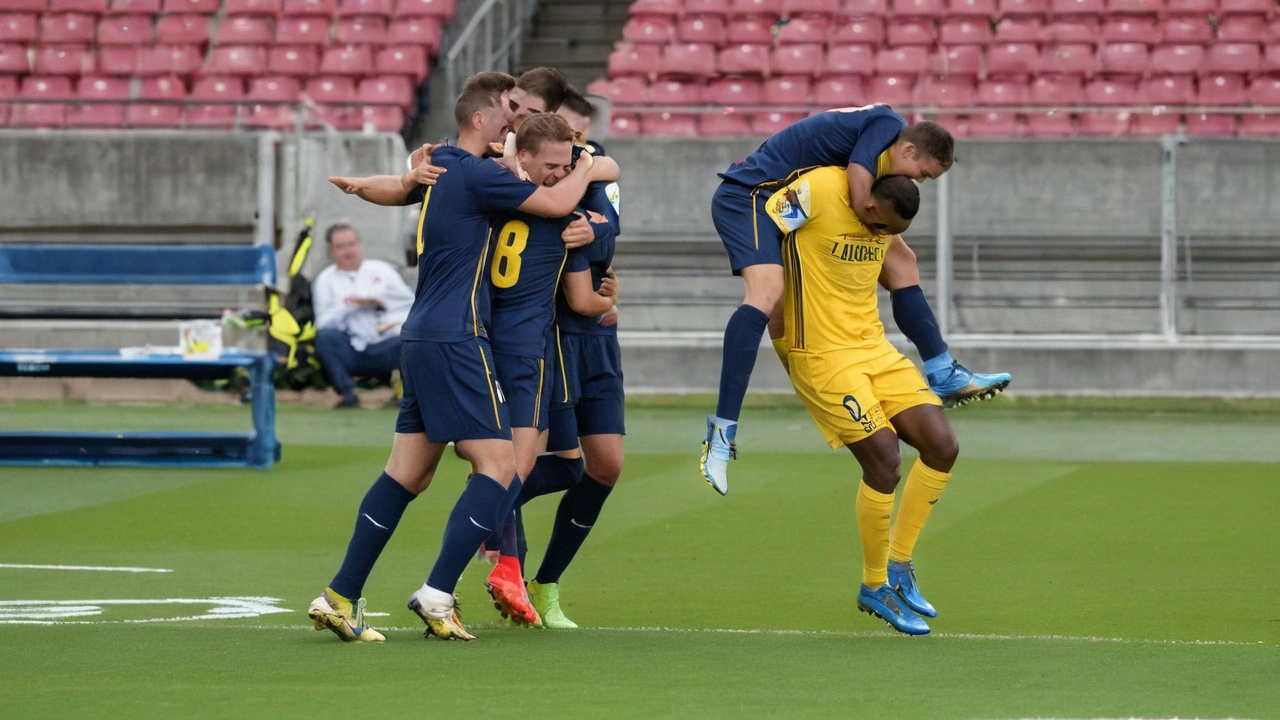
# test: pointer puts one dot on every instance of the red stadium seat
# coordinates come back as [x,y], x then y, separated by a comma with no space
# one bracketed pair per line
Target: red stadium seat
[364,30]
[406,60]
[911,32]
[1124,58]
[957,91]
[671,8]
[957,60]
[820,8]
[394,89]
[741,8]
[46,88]
[346,60]
[442,10]
[1023,8]
[200,7]
[869,31]
[965,31]
[1083,30]
[115,60]
[1111,91]
[667,124]
[888,89]
[302,30]
[102,88]
[99,114]
[380,119]
[36,6]
[723,125]
[631,59]
[750,30]
[1187,29]
[274,88]
[1019,30]
[733,92]
[1168,90]
[14,59]
[849,60]
[1155,122]
[688,60]
[1068,60]
[1209,125]
[676,92]
[1243,29]
[1271,59]
[331,90]
[424,31]
[240,60]
[64,60]
[623,91]
[1054,123]
[216,116]
[182,30]
[1259,126]
[1012,59]
[1233,58]
[1222,89]
[153,115]
[252,7]
[1178,58]
[788,90]
[351,8]
[1190,6]
[839,91]
[90,7]
[18,27]
[912,60]
[804,30]
[42,115]
[1265,90]
[327,8]
[1228,7]
[1002,92]
[247,30]
[1104,124]
[863,9]
[768,123]
[297,61]
[972,8]
[919,8]
[692,7]
[1130,28]
[67,28]
[125,30]
[744,60]
[217,89]
[996,123]
[624,125]
[796,59]
[1135,7]
[1057,90]
[170,59]
[701,29]
[1076,7]
[134,7]
[649,29]
[272,116]
[164,87]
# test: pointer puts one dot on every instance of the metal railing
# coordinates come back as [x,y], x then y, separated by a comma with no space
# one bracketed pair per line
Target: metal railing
[492,39]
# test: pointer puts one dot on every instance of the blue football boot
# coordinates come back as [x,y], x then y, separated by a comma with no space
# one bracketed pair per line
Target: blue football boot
[885,604]
[717,450]
[956,385]
[902,578]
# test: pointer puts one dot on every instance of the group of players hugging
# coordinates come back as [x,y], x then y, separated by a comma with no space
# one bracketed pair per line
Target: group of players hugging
[511,353]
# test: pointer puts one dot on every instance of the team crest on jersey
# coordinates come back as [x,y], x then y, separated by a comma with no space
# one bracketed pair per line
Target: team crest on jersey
[790,208]
[870,421]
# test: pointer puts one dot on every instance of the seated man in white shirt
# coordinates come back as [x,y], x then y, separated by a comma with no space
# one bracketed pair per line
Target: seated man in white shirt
[359,305]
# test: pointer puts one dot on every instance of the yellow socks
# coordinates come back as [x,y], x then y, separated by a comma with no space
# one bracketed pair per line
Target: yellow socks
[924,485]
[873,510]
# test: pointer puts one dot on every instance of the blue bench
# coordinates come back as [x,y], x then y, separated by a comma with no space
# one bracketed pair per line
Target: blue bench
[142,265]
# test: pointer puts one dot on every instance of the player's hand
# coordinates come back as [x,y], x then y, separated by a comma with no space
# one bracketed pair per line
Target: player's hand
[578,233]
[596,217]
[496,148]
[609,285]
[350,185]
[421,171]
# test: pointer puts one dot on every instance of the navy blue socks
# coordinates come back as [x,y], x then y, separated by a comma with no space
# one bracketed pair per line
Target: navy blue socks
[481,509]
[741,345]
[915,319]
[551,474]
[579,509]
[379,513]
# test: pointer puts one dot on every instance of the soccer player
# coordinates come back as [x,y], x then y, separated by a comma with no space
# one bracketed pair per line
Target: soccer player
[861,392]
[528,257]
[446,362]
[588,397]
[872,142]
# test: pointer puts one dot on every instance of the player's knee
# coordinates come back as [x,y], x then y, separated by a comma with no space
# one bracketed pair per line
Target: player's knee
[882,478]
[764,288]
[942,453]
[605,470]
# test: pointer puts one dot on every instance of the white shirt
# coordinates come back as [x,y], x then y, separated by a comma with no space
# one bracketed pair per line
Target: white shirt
[375,279]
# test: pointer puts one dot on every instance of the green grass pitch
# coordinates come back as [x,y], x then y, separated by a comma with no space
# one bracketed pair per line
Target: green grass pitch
[1089,559]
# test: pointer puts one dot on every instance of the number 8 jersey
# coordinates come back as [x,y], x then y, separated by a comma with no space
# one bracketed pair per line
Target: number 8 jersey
[527,258]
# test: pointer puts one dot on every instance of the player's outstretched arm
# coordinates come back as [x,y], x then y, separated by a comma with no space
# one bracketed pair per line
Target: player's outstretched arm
[583,298]
[379,189]
[563,198]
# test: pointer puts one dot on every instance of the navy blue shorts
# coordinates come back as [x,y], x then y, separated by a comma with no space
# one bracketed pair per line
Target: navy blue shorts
[451,392]
[526,383]
[748,234]
[590,376]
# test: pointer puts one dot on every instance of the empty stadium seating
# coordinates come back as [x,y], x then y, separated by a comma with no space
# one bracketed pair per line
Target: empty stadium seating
[216,63]
[993,67]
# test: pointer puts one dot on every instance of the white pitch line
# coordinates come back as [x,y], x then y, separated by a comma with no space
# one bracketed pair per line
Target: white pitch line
[99,568]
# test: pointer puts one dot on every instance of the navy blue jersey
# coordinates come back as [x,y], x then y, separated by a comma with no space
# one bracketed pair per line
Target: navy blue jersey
[528,255]
[841,137]
[595,256]
[452,299]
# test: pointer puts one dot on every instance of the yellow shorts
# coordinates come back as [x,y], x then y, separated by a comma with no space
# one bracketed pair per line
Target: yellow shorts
[853,393]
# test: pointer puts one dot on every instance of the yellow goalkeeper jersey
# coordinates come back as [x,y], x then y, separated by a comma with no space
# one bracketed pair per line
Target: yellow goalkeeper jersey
[831,263]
